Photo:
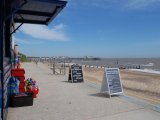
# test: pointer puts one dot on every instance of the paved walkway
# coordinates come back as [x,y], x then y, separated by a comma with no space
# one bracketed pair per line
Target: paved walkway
[60,100]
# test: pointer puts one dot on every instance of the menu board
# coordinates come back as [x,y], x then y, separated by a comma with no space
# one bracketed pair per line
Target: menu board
[76,73]
[114,81]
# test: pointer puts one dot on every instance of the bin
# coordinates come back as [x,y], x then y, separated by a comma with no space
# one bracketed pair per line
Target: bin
[20,101]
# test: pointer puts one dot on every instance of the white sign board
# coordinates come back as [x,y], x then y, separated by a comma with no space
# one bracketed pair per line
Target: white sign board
[112,82]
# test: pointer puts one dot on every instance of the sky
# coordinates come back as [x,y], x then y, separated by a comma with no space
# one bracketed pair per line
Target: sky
[99,28]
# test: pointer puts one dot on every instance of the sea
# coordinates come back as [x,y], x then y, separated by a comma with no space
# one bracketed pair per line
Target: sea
[128,63]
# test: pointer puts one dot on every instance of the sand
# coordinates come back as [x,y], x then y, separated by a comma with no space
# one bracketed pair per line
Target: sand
[138,84]
[142,85]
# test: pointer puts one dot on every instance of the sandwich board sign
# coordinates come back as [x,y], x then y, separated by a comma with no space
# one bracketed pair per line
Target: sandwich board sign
[75,73]
[112,82]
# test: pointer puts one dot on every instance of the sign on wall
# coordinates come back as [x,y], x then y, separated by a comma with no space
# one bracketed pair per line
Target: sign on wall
[76,73]
[112,82]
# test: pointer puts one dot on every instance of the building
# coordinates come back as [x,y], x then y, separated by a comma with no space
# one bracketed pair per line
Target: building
[19,11]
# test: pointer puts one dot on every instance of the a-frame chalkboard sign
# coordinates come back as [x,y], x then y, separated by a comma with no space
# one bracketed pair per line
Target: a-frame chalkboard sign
[75,73]
[112,82]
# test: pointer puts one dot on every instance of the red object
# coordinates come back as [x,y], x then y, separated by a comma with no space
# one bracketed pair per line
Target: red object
[19,74]
[22,84]
[21,90]
[35,92]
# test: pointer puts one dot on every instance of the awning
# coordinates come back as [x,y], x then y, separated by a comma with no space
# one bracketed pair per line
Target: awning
[38,11]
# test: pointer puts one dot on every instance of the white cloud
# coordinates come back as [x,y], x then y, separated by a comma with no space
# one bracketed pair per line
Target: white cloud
[25,41]
[142,4]
[44,32]
[59,27]
[119,4]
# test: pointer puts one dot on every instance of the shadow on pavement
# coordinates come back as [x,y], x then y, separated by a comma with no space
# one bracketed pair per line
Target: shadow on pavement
[104,95]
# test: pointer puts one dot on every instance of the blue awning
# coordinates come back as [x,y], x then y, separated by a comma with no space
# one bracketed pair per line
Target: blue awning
[38,11]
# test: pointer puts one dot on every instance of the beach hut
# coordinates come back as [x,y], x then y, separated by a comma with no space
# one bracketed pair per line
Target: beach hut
[19,11]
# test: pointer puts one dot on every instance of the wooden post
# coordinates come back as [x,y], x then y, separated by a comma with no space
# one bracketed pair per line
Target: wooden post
[53,68]
[64,68]
[60,71]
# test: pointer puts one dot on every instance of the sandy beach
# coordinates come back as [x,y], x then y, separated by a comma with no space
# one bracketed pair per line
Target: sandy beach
[138,84]
[135,83]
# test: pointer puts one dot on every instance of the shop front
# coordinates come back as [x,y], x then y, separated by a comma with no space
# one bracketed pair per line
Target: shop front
[19,11]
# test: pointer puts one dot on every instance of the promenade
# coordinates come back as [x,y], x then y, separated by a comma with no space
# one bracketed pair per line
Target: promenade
[60,100]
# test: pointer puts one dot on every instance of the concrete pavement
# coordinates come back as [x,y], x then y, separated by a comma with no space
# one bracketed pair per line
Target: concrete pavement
[60,100]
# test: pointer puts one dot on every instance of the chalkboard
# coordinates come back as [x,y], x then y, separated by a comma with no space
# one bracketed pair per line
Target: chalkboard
[75,73]
[112,81]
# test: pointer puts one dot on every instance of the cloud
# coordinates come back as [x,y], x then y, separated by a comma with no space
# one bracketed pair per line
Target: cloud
[142,4]
[56,33]
[119,4]
[25,41]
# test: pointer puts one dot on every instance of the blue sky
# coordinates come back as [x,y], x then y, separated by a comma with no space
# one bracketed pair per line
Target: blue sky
[101,28]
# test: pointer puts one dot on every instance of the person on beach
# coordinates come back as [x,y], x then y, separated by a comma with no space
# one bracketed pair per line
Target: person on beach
[36,62]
